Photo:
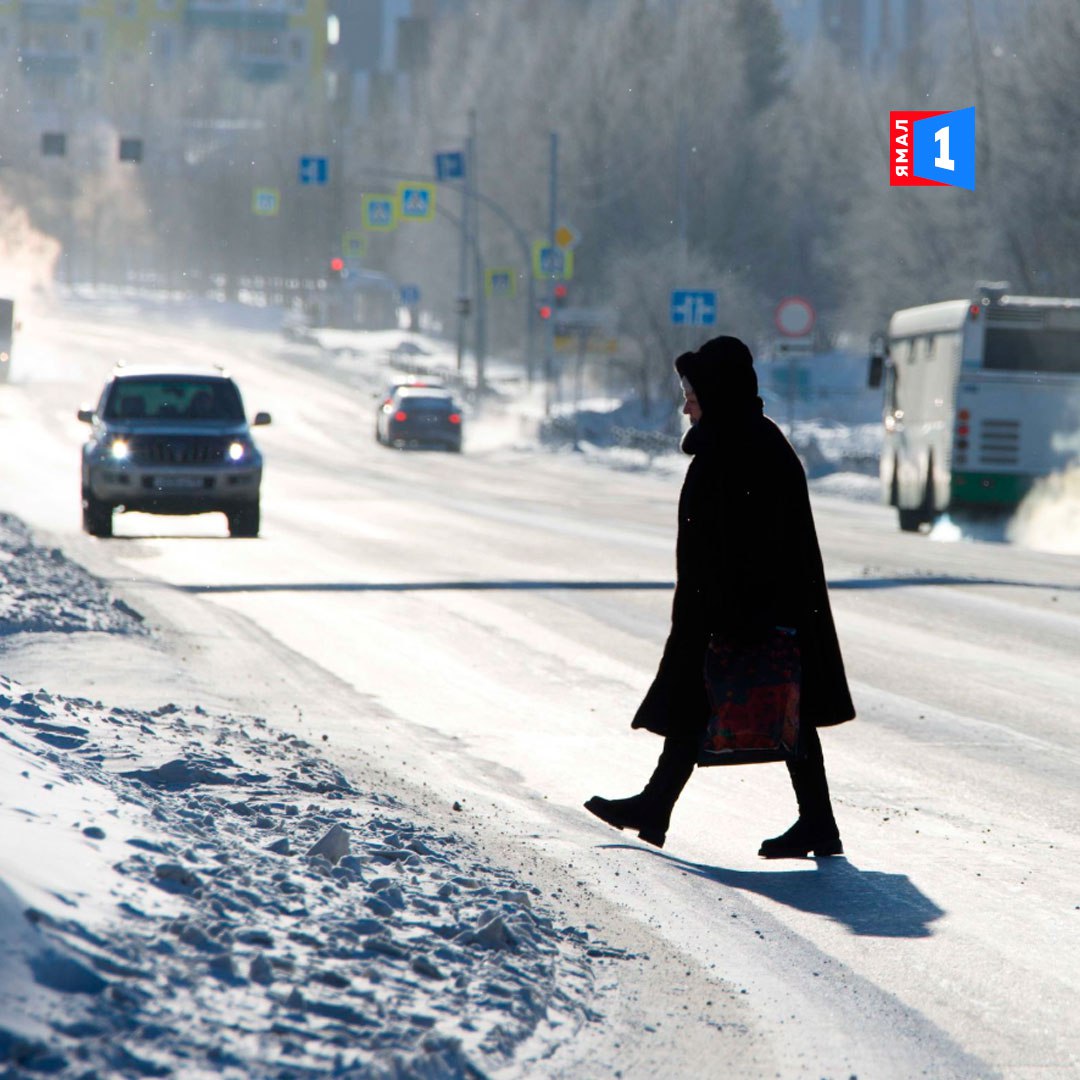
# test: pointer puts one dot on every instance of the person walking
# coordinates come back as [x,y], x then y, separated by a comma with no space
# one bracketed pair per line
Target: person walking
[747,559]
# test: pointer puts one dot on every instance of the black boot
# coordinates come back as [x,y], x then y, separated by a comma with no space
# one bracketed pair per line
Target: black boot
[638,813]
[816,829]
[821,837]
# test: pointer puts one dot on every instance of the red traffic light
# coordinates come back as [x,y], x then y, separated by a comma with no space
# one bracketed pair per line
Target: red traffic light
[560,291]
[545,311]
[337,265]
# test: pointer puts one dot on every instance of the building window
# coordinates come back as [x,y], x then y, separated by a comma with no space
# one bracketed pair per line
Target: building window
[259,45]
[126,9]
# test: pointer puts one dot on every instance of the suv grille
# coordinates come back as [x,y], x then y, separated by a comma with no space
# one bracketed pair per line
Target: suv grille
[177,450]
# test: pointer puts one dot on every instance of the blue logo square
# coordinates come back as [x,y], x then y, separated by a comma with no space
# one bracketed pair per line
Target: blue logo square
[944,148]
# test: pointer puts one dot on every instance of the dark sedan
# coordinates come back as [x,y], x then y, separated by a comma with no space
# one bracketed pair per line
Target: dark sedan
[420,416]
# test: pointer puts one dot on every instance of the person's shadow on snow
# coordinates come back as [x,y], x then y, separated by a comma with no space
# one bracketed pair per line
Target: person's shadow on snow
[868,902]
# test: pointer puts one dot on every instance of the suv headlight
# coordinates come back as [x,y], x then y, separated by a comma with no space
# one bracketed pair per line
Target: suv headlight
[119,450]
[238,450]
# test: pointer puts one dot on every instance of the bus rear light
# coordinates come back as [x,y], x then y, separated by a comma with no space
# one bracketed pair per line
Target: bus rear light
[962,429]
[963,415]
[961,444]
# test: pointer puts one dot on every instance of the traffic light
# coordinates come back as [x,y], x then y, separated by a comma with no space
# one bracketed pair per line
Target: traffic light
[544,311]
[560,294]
[337,269]
[131,149]
[53,144]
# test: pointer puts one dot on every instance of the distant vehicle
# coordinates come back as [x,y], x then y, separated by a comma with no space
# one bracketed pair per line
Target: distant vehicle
[982,398]
[407,348]
[7,335]
[420,416]
[387,396]
[170,443]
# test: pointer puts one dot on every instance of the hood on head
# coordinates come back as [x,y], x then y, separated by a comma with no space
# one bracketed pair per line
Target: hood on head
[721,374]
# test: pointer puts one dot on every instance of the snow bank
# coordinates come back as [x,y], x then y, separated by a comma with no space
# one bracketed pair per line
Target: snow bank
[43,590]
[197,894]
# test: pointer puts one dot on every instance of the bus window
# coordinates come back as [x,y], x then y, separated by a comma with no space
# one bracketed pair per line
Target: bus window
[1020,349]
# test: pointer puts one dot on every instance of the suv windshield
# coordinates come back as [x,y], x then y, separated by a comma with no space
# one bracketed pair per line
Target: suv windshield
[174,398]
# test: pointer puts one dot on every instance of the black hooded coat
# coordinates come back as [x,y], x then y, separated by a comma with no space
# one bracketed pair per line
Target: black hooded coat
[747,555]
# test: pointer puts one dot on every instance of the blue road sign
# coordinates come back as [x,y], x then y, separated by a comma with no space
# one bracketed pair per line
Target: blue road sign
[693,307]
[450,165]
[314,170]
[410,295]
[417,201]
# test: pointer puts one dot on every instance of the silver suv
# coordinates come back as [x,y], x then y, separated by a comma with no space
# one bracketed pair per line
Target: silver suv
[170,443]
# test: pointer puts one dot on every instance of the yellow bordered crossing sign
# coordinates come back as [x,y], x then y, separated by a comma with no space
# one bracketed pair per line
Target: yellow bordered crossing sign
[552,263]
[500,282]
[265,201]
[353,244]
[416,202]
[378,213]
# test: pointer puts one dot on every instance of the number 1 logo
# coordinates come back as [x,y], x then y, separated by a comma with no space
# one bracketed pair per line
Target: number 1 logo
[932,149]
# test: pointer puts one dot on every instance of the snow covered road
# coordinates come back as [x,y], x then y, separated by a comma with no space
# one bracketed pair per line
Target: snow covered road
[479,629]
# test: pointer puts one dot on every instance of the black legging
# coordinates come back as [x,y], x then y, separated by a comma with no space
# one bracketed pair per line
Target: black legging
[679,757]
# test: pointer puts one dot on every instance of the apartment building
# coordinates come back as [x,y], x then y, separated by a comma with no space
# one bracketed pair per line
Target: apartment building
[63,48]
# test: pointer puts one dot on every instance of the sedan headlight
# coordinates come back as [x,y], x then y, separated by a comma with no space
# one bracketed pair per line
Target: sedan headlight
[119,450]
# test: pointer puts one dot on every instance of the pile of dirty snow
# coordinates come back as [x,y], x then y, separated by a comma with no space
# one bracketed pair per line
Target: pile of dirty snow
[42,590]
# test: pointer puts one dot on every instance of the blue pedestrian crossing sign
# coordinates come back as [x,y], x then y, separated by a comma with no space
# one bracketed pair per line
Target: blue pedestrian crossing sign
[353,244]
[265,201]
[552,263]
[314,170]
[500,281]
[693,307]
[450,165]
[410,295]
[378,212]
[416,201]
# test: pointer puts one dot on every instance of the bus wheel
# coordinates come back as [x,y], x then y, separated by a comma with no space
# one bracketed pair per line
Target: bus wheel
[910,520]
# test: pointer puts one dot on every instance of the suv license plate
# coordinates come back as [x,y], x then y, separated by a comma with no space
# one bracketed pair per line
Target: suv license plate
[178,483]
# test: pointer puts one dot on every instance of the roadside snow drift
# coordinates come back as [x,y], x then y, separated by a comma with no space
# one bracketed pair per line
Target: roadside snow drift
[192,894]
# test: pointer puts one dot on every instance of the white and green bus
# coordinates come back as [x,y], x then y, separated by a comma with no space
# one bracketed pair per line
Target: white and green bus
[982,398]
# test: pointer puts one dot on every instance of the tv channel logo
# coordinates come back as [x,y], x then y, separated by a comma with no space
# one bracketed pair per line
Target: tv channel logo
[932,149]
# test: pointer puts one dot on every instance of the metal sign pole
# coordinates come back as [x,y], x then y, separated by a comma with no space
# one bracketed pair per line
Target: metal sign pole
[549,334]
[463,273]
[791,393]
